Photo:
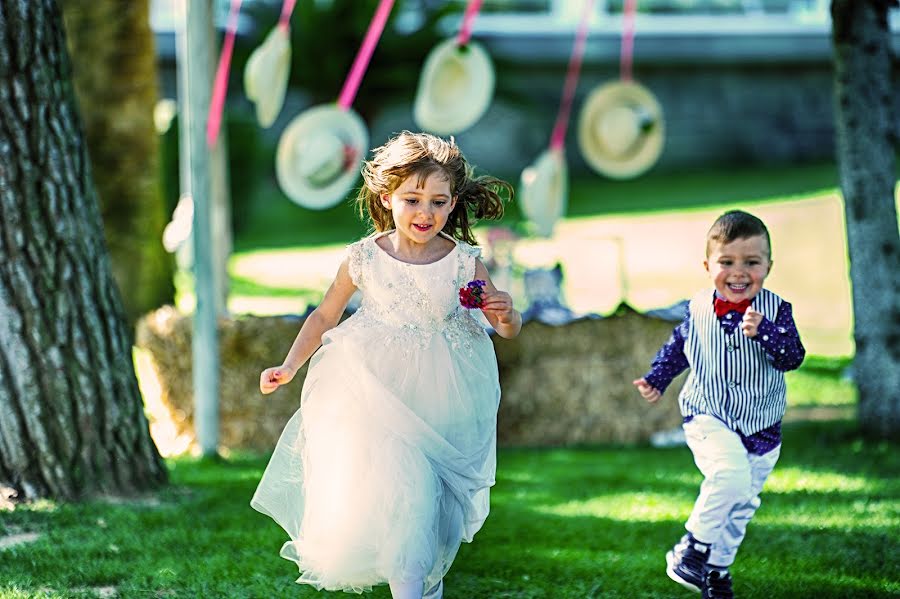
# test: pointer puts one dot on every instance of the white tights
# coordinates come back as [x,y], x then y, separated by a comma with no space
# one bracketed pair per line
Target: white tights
[412,589]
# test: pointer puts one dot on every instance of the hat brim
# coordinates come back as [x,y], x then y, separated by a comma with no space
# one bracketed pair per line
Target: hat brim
[639,156]
[348,127]
[455,88]
[266,75]
[544,191]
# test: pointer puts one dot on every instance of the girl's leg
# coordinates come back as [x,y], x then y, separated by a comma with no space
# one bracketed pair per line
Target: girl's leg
[724,550]
[411,589]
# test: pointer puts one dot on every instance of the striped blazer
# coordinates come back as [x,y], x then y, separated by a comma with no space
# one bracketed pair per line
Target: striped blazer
[731,377]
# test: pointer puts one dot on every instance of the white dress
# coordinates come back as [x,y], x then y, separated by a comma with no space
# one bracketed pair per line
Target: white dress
[386,467]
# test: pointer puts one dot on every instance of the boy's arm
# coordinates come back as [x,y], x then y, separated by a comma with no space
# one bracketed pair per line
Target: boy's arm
[670,360]
[781,340]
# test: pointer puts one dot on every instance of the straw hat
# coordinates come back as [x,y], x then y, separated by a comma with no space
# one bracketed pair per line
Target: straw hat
[266,75]
[455,88]
[318,155]
[544,190]
[621,129]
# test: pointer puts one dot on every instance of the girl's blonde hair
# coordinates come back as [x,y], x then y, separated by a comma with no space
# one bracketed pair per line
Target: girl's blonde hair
[422,155]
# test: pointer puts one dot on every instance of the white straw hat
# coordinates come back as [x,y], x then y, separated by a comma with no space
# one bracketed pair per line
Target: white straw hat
[318,156]
[266,75]
[544,190]
[621,129]
[455,88]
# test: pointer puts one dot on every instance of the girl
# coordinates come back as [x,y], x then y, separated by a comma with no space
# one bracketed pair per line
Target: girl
[386,467]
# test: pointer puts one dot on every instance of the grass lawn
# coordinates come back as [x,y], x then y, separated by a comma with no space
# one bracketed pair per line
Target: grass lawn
[638,241]
[585,522]
[276,222]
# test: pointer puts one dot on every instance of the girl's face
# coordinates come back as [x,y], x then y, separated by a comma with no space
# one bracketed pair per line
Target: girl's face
[739,268]
[420,211]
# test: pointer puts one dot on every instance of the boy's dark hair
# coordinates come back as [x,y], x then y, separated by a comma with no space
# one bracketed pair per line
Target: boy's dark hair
[737,224]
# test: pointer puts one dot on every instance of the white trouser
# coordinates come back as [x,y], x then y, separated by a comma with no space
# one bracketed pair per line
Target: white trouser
[729,495]
[406,590]
[413,590]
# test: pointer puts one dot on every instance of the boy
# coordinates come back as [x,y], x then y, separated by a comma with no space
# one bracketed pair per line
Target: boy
[738,341]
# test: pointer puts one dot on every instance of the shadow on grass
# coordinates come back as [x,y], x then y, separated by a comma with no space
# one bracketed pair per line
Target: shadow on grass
[584,522]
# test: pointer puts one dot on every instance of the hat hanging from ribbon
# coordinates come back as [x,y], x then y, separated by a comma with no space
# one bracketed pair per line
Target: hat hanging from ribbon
[545,184]
[621,128]
[457,82]
[268,69]
[318,155]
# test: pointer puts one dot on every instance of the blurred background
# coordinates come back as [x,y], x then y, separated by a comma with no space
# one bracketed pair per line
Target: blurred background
[746,88]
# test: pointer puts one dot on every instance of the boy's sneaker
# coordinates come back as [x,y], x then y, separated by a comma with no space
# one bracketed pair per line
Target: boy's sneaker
[718,585]
[686,563]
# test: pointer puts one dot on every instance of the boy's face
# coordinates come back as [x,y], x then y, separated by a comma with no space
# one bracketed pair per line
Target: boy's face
[739,268]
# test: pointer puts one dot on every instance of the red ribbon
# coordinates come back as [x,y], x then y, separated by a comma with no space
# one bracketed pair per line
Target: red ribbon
[287,8]
[465,31]
[220,84]
[558,138]
[627,53]
[354,78]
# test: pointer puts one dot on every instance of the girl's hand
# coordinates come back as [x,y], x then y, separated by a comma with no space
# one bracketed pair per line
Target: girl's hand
[272,378]
[750,323]
[498,303]
[647,391]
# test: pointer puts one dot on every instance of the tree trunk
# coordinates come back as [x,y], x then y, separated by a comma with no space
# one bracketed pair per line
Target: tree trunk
[71,416]
[114,72]
[867,138]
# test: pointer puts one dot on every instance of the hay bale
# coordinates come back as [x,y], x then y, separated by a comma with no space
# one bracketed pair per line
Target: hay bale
[249,419]
[571,384]
[561,385]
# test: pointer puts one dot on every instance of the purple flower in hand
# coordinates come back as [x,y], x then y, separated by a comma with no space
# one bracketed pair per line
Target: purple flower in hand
[470,296]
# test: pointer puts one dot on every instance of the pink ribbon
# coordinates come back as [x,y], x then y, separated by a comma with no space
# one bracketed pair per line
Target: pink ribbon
[286,9]
[558,138]
[627,53]
[465,31]
[220,85]
[354,78]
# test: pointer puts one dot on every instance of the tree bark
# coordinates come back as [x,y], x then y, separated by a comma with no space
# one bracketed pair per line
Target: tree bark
[867,136]
[71,415]
[114,72]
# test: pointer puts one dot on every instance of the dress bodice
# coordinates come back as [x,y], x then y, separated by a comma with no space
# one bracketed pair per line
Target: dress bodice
[419,300]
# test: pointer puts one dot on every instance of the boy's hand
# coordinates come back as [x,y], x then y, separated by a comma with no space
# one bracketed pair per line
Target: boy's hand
[272,378]
[647,391]
[500,304]
[750,323]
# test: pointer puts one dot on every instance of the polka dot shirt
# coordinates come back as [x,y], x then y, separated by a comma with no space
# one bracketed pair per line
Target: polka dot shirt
[779,339]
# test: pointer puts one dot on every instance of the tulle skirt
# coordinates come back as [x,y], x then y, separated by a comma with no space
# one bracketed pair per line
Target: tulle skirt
[386,467]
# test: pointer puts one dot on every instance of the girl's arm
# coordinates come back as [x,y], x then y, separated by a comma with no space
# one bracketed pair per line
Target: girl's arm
[325,317]
[497,306]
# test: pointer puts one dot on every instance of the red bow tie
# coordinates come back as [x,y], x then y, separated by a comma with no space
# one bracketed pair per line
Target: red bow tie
[723,307]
